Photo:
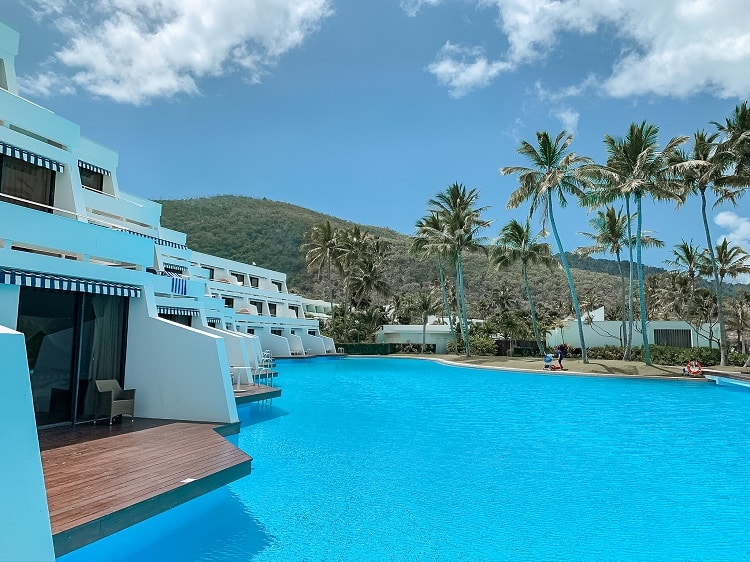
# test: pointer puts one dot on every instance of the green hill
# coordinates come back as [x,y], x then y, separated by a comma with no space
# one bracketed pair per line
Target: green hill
[270,234]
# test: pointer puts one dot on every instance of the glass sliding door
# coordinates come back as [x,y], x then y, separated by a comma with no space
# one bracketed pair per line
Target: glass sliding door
[48,321]
[102,337]
[72,340]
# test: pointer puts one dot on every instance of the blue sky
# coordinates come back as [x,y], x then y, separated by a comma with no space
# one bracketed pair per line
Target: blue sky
[365,109]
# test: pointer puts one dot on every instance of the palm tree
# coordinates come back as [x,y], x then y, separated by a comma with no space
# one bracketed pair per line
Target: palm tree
[429,240]
[365,277]
[732,261]
[555,172]
[323,252]
[426,305]
[460,222]
[611,235]
[735,149]
[636,167]
[699,170]
[517,244]
[687,258]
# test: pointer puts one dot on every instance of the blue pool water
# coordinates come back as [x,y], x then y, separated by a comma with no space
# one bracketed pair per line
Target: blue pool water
[394,459]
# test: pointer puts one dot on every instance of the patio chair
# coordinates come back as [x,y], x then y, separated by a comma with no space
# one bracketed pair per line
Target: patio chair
[113,401]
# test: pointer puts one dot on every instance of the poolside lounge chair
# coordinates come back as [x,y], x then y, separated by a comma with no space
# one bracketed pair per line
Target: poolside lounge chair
[113,401]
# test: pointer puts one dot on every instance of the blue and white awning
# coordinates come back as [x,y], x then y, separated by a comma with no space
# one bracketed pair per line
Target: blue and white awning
[177,311]
[45,281]
[30,157]
[174,267]
[212,321]
[91,167]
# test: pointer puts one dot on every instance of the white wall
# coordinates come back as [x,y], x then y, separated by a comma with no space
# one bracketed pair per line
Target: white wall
[237,350]
[25,532]
[315,344]
[178,372]
[278,345]
[598,334]
[9,295]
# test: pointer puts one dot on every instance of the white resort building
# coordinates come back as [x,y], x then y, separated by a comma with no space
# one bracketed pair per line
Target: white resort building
[93,288]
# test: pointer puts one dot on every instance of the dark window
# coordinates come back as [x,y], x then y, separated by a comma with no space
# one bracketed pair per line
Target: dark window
[251,331]
[31,183]
[254,282]
[294,309]
[210,271]
[276,331]
[272,309]
[259,306]
[183,319]
[311,332]
[238,276]
[92,180]
[674,338]
[277,284]
[228,302]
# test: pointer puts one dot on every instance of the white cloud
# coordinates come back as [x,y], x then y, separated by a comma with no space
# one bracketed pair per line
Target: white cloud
[464,69]
[669,48]
[412,7]
[568,117]
[738,227]
[46,84]
[135,50]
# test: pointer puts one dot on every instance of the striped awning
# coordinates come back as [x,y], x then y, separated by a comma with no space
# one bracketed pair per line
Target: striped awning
[177,311]
[174,267]
[91,167]
[212,321]
[45,281]
[30,157]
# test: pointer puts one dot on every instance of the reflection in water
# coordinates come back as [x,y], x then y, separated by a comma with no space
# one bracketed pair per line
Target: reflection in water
[216,526]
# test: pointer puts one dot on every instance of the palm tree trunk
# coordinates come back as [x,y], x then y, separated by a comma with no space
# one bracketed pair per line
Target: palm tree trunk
[629,342]
[573,294]
[724,343]
[446,304]
[641,289]
[624,335]
[461,298]
[533,312]
[330,288]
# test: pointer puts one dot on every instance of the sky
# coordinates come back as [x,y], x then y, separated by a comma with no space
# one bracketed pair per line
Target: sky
[365,109]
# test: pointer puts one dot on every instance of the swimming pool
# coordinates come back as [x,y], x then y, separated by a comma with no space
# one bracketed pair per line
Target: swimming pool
[398,459]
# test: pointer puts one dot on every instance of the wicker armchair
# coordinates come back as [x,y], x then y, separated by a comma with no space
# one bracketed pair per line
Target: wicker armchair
[113,401]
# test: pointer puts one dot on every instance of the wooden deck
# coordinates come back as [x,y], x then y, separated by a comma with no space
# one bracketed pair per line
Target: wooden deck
[101,479]
[255,393]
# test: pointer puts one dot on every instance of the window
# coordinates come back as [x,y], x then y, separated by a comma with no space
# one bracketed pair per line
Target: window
[278,285]
[31,183]
[254,281]
[311,333]
[210,271]
[276,331]
[239,277]
[92,180]
[179,318]
[251,331]
[258,306]
[295,309]
[272,308]
[674,338]
[228,302]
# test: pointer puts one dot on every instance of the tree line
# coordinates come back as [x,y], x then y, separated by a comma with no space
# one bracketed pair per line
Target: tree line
[715,164]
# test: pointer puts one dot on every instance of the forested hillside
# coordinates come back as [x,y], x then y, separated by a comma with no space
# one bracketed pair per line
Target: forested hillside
[270,234]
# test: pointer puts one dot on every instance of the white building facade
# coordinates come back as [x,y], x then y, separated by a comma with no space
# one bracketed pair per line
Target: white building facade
[93,287]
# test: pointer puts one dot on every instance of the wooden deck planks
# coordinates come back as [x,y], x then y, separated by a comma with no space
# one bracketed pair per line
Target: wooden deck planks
[255,393]
[97,487]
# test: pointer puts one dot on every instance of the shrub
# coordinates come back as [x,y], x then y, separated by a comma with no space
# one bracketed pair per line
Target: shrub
[523,352]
